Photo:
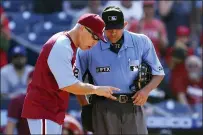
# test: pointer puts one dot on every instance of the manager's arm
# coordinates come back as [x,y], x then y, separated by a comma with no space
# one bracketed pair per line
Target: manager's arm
[81,88]
[59,62]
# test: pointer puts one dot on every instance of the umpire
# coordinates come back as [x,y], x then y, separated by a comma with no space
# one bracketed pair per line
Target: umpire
[116,63]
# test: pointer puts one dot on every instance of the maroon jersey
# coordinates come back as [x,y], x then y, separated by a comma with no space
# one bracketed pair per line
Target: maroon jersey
[153,29]
[44,99]
[14,112]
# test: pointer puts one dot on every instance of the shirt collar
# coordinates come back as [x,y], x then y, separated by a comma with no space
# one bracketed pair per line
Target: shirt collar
[127,41]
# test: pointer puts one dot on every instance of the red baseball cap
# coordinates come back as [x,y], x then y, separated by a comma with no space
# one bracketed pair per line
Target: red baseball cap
[148,2]
[182,31]
[95,23]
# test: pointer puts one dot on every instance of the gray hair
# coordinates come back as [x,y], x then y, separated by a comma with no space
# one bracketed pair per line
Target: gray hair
[193,59]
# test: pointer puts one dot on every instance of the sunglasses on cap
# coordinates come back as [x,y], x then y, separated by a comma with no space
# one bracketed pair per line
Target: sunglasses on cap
[95,37]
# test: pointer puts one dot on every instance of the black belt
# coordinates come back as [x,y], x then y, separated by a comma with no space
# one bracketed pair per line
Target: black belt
[121,98]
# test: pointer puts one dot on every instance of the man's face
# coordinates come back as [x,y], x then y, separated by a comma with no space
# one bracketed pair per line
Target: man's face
[114,34]
[126,3]
[183,39]
[149,10]
[19,61]
[87,39]
[194,70]
[94,4]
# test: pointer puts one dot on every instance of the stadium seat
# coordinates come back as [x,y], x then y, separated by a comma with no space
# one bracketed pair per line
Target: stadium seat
[35,39]
[17,5]
[198,109]
[26,16]
[60,18]
[17,28]
[23,22]
[49,28]
[173,107]
[78,5]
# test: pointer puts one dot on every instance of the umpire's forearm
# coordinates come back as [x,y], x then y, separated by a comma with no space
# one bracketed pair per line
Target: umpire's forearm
[156,80]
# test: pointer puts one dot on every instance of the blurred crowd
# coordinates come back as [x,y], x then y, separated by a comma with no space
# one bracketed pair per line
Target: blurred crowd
[174,27]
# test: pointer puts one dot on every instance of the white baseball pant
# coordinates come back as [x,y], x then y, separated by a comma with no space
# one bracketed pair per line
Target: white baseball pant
[44,127]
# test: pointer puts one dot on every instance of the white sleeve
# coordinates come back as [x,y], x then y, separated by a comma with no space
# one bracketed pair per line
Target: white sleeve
[13,120]
[59,62]
[4,83]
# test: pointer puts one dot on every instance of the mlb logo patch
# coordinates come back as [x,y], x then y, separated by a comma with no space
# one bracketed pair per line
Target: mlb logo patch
[112,18]
[133,68]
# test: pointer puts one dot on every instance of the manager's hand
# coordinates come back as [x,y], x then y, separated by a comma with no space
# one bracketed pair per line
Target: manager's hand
[106,91]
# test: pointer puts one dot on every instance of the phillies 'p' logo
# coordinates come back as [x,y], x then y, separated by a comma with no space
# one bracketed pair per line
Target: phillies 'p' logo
[76,72]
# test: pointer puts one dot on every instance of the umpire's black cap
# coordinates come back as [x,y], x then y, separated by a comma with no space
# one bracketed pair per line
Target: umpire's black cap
[113,18]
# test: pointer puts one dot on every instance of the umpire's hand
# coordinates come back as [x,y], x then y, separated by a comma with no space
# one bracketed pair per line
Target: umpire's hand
[140,97]
[106,91]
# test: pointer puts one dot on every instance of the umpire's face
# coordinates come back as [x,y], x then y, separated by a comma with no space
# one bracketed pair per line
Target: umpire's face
[87,38]
[114,35]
